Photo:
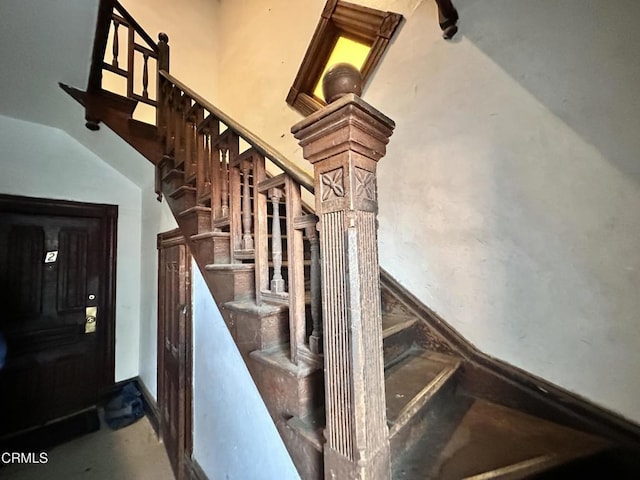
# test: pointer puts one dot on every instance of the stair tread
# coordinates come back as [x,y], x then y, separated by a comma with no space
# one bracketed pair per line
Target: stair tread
[279,357]
[229,266]
[209,235]
[194,209]
[412,381]
[310,427]
[493,441]
[394,323]
[171,174]
[182,190]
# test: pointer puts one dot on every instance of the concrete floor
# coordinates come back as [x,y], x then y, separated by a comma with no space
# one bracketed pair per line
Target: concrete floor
[132,453]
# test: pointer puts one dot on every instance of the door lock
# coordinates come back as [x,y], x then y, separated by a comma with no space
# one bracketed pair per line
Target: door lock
[91,318]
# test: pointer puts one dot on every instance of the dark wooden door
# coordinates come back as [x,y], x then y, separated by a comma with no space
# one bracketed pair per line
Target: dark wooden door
[174,348]
[54,263]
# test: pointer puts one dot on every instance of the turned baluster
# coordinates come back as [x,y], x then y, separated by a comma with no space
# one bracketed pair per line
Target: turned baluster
[215,155]
[130,59]
[277,282]
[178,127]
[247,237]
[190,167]
[200,139]
[207,161]
[145,76]
[224,183]
[315,340]
[170,122]
[116,44]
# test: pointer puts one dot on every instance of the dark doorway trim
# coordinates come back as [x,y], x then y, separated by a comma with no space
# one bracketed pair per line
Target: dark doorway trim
[108,215]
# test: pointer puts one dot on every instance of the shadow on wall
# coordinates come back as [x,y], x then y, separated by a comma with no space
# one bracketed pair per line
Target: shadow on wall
[577,57]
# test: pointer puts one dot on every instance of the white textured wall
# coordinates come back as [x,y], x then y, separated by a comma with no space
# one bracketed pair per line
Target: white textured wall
[509,195]
[192,30]
[44,162]
[233,434]
[156,218]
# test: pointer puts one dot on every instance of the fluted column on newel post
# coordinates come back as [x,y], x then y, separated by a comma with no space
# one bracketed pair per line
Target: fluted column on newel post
[344,141]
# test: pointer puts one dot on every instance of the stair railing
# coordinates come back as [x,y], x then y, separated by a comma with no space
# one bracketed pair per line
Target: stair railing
[140,55]
[255,194]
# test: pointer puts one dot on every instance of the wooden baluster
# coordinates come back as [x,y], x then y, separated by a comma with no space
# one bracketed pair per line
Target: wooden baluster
[206,168]
[145,76]
[216,153]
[295,269]
[130,61]
[170,138]
[178,127]
[116,44]
[202,149]
[189,140]
[163,64]
[277,282]
[315,340]
[224,183]
[261,222]
[247,234]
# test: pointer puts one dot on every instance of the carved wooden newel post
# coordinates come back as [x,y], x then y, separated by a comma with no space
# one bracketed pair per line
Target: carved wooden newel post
[344,141]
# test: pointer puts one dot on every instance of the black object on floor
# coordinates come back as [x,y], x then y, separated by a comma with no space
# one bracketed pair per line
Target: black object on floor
[52,434]
[124,408]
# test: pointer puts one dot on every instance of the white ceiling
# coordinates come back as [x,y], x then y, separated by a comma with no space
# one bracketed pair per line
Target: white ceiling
[43,42]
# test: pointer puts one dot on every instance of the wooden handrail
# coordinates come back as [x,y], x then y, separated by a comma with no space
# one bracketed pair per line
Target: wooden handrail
[136,26]
[296,173]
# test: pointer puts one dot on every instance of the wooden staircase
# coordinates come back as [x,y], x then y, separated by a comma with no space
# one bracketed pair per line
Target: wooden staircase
[451,412]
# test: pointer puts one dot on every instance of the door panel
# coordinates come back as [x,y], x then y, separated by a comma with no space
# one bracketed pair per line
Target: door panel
[52,266]
[174,350]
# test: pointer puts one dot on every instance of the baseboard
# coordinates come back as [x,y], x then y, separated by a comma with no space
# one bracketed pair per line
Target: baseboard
[150,406]
[487,377]
[194,470]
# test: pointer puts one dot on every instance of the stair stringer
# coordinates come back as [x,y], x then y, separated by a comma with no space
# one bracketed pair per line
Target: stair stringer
[483,376]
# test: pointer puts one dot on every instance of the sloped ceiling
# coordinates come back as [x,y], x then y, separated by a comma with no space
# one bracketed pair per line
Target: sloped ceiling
[43,42]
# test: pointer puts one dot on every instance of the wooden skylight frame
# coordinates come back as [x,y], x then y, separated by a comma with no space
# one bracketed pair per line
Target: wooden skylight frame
[363,24]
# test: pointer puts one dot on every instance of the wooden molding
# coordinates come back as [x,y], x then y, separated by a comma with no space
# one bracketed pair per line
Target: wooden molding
[487,377]
[150,406]
[367,25]
[194,470]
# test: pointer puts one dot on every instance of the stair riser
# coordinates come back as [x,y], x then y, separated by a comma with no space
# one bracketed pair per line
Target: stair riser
[253,332]
[196,222]
[231,284]
[286,394]
[184,201]
[396,345]
[213,250]
[433,415]
[306,457]
[171,183]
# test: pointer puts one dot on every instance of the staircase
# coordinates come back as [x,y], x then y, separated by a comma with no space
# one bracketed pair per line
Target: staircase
[451,412]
